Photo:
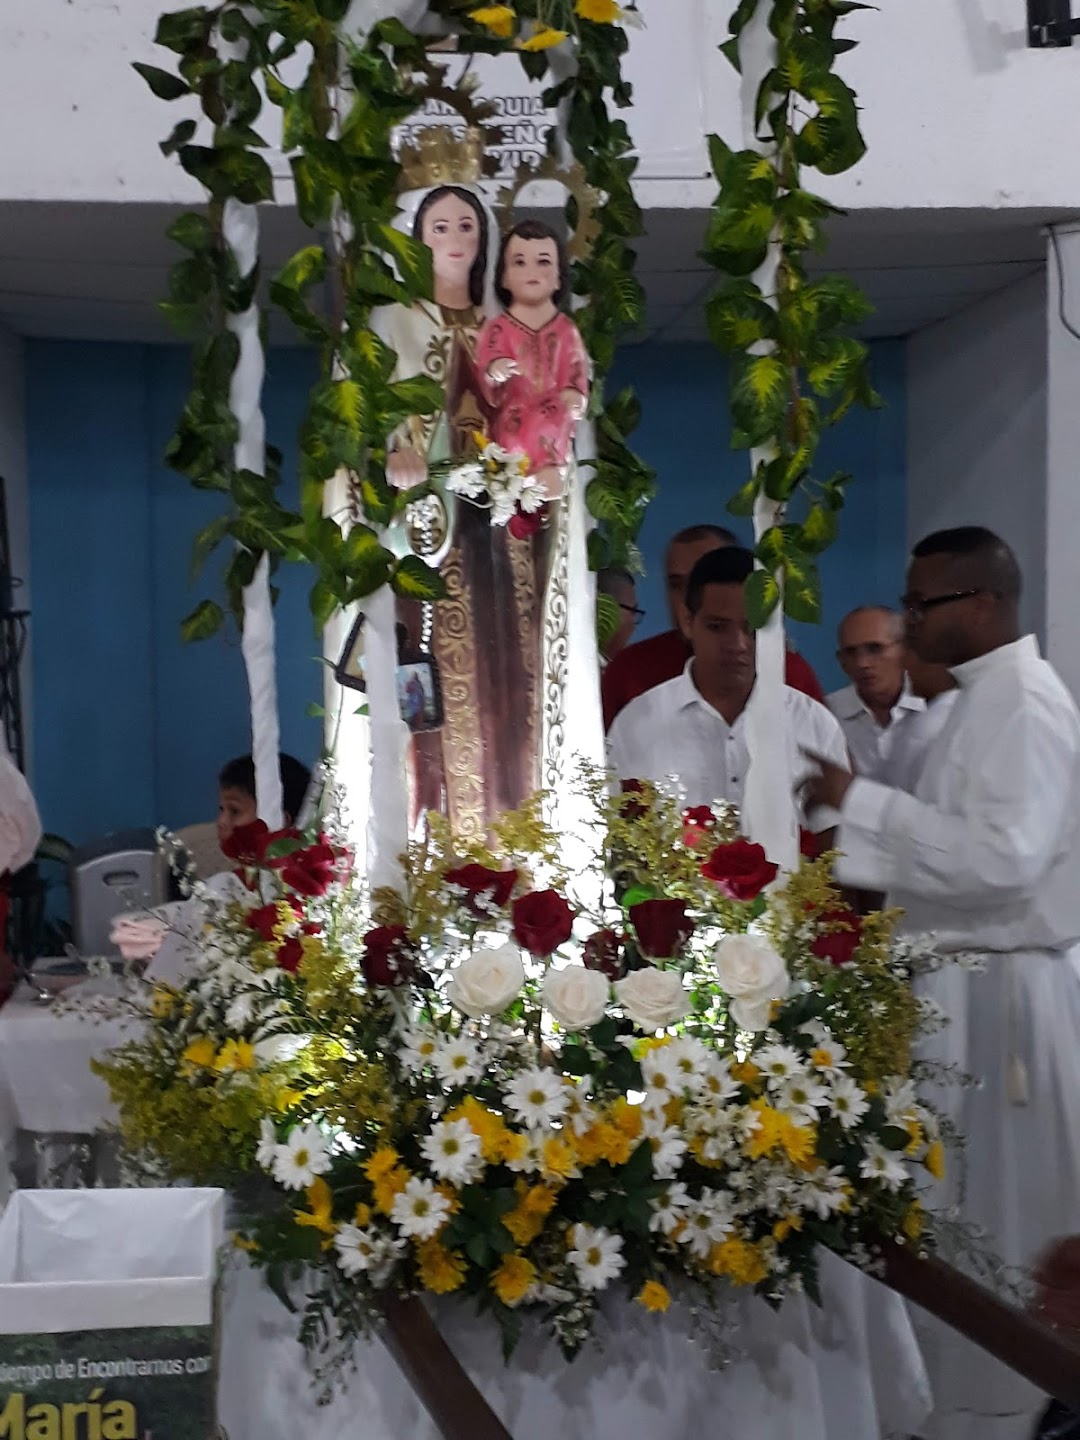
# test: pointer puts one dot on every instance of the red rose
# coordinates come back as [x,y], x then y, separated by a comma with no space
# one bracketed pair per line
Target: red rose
[485,890]
[389,956]
[843,938]
[632,809]
[542,921]
[247,843]
[697,822]
[266,917]
[741,870]
[603,951]
[290,954]
[662,927]
[273,842]
[310,871]
[809,844]
[521,526]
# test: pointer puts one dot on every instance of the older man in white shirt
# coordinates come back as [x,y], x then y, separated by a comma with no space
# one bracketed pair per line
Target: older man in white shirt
[877,708]
[693,728]
[985,856]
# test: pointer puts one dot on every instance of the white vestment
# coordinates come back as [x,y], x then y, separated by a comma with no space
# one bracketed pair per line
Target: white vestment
[986,857]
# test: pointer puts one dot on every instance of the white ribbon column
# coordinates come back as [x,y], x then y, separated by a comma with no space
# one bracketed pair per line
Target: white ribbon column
[769,814]
[240,226]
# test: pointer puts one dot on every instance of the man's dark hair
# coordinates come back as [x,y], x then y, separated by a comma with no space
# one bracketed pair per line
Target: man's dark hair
[730,566]
[983,560]
[611,578]
[693,533]
[239,774]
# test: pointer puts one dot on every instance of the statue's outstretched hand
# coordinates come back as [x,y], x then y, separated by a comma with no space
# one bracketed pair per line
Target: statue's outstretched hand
[406,469]
[499,371]
[576,403]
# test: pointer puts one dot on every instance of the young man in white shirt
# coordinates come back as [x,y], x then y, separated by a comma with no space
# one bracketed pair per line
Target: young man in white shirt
[692,728]
[985,857]
[878,705]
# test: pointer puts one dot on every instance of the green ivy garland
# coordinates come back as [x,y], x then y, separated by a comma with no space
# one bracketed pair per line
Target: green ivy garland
[795,367]
[337,126]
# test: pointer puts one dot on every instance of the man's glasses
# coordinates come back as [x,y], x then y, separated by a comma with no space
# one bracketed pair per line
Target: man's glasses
[634,610]
[916,608]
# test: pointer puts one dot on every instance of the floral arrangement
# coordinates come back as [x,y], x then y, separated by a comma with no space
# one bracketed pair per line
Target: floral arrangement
[525,1087]
[499,480]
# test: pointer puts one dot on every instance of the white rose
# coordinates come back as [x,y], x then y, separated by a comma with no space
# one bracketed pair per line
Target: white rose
[653,998]
[575,996]
[749,969]
[487,981]
[752,1014]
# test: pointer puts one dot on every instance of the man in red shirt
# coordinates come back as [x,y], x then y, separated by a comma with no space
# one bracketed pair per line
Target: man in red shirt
[650,662]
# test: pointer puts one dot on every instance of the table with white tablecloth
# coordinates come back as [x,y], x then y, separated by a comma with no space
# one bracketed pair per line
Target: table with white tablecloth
[48,1093]
[849,1370]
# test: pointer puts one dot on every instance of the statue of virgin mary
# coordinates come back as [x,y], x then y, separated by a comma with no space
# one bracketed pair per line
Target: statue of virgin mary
[501,637]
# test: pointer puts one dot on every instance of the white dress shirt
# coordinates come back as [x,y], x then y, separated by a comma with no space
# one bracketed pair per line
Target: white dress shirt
[20,824]
[673,732]
[869,743]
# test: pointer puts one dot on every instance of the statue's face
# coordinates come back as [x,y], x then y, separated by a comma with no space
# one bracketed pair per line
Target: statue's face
[452,232]
[531,270]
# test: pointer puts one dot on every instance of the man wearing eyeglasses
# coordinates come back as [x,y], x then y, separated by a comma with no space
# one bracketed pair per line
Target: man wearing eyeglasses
[619,586]
[985,857]
[878,704]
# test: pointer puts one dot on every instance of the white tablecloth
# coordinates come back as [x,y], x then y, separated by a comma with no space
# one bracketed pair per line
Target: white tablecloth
[848,1371]
[46,1084]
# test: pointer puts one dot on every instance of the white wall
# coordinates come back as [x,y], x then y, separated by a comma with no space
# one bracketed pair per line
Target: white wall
[977,427]
[957,111]
[13,470]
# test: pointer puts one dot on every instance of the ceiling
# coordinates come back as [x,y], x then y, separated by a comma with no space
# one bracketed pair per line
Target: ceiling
[95,271]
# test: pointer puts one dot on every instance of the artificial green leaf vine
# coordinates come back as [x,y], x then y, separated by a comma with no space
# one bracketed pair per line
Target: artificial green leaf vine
[795,368]
[338,122]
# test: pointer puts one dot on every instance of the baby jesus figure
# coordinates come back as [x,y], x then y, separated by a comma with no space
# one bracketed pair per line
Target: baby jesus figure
[532,363]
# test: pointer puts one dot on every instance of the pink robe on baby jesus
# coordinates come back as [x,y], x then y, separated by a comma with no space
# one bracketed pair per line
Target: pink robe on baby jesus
[528,410]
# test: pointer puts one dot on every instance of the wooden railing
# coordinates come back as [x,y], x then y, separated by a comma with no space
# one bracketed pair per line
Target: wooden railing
[1046,1357]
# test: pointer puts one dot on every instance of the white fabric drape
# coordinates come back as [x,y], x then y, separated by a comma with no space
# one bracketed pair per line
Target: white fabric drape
[769,814]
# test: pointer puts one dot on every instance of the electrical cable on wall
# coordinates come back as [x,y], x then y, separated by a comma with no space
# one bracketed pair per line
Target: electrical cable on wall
[1062,315]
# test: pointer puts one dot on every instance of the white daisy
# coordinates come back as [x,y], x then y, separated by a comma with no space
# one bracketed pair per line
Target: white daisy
[779,1063]
[452,1150]
[825,1192]
[900,1103]
[659,1067]
[717,1085]
[367,1251]
[421,1048]
[579,1113]
[800,1097]
[532,1158]
[847,1101]
[303,1156]
[264,1156]
[689,1059]
[419,1210]
[708,1221]
[668,1147]
[241,1012]
[458,1061]
[537,1097]
[669,1208]
[884,1165]
[828,1057]
[597,1256]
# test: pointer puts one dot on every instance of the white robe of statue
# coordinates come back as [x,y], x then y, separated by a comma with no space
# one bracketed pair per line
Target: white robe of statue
[986,857]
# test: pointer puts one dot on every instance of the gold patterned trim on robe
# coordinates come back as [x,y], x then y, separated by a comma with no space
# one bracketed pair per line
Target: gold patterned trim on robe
[455,648]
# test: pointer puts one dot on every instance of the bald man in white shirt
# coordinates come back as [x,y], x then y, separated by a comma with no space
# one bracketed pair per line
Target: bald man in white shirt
[693,728]
[878,707]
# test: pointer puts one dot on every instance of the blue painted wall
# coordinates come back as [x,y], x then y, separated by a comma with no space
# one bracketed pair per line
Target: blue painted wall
[684,434]
[131,726]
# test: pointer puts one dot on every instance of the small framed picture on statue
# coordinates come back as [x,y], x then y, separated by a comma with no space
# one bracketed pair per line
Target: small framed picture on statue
[419,687]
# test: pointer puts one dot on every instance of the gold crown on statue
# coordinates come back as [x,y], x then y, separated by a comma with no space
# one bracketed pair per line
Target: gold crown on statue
[440,155]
